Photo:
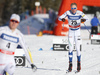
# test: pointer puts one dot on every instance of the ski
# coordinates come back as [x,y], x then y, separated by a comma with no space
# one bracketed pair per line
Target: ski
[47,69]
[77,72]
[67,71]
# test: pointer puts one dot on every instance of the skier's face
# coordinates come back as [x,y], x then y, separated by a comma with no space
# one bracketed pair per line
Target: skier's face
[13,24]
[73,8]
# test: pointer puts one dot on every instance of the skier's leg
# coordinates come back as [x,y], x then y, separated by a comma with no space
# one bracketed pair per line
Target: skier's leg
[77,41]
[70,41]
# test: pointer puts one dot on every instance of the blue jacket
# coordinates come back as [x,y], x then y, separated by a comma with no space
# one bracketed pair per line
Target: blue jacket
[94,21]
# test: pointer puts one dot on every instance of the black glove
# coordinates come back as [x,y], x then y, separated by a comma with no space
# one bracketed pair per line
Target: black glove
[63,20]
[34,68]
[83,20]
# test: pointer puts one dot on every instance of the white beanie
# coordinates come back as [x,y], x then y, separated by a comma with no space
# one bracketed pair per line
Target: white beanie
[15,16]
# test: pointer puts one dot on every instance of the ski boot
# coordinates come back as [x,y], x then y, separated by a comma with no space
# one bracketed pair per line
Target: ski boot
[70,67]
[78,66]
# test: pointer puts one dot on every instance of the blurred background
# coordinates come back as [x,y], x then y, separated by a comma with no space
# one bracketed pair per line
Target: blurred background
[37,16]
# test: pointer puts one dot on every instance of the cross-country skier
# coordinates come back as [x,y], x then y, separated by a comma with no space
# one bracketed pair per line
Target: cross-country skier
[75,17]
[10,37]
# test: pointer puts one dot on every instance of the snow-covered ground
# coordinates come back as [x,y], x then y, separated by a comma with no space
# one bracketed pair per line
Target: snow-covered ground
[52,62]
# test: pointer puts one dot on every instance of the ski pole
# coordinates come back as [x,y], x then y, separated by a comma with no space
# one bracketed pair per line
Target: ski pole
[87,29]
[63,26]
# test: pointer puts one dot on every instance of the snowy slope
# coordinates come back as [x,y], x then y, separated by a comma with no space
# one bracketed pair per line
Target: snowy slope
[55,62]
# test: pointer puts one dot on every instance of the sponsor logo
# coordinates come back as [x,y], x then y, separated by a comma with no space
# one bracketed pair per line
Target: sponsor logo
[95,41]
[74,17]
[63,47]
[10,38]
[20,60]
[13,39]
[62,44]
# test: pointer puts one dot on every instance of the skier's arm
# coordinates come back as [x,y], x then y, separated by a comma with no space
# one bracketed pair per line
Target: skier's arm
[25,48]
[62,17]
[84,18]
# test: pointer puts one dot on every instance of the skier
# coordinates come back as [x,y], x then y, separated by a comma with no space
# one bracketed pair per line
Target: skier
[75,17]
[10,37]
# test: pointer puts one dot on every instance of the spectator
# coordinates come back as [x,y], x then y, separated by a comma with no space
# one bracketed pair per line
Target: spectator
[94,23]
[52,18]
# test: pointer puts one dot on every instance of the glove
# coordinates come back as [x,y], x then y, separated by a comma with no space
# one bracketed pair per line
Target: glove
[63,20]
[83,20]
[34,68]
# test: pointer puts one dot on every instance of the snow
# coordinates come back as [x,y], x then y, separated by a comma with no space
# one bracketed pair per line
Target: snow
[52,62]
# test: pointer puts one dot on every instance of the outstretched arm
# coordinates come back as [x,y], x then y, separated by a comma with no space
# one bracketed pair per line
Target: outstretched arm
[27,52]
[62,17]
[84,18]
[25,48]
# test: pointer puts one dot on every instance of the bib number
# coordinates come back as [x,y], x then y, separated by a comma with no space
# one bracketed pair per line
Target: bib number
[74,22]
[8,45]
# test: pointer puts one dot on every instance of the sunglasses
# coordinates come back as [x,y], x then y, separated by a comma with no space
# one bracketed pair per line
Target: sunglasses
[73,8]
[14,21]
